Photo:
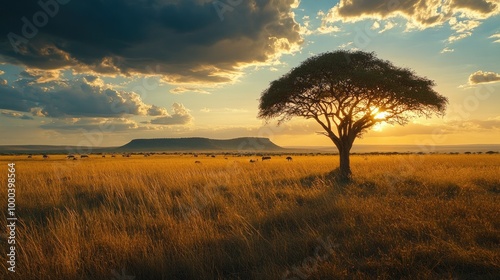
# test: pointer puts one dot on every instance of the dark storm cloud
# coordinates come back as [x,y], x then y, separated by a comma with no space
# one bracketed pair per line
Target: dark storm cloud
[186,39]
[16,100]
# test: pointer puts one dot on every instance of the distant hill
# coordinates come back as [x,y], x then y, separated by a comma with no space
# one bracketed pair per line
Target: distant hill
[49,149]
[154,145]
[201,144]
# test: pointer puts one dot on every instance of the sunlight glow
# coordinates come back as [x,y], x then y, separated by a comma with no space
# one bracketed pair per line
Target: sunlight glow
[379,126]
[379,116]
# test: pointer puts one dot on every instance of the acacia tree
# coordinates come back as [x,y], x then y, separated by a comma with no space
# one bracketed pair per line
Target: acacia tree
[347,93]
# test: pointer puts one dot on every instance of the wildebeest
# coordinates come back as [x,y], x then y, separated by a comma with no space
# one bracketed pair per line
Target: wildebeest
[103,155]
[30,156]
[197,161]
[266,158]
[252,161]
[70,157]
[84,156]
[45,156]
[289,158]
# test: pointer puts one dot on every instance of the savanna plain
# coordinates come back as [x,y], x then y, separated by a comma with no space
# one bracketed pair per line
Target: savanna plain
[167,217]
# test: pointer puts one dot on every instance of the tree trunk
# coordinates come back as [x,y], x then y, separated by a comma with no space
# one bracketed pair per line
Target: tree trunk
[345,166]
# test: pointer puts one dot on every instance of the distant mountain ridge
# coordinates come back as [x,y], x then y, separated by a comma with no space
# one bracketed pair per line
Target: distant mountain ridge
[201,144]
[155,145]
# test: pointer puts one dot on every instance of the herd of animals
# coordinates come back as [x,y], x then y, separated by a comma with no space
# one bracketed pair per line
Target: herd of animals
[82,156]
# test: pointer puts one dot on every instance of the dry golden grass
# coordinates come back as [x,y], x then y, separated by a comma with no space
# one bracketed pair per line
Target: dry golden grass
[165,217]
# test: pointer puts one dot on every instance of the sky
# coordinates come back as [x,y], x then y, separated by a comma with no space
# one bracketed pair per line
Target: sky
[104,72]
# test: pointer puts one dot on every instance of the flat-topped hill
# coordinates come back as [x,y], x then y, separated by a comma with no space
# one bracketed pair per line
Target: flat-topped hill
[201,144]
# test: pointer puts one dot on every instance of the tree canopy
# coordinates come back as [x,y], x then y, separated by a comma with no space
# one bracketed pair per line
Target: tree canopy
[349,92]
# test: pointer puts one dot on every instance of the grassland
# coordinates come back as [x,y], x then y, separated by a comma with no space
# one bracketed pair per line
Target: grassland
[165,217]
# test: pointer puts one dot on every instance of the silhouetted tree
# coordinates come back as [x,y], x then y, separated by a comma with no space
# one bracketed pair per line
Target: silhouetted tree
[347,93]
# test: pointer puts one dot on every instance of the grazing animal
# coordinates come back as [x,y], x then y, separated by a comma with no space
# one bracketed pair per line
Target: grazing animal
[113,156]
[289,158]
[45,156]
[252,161]
[103,155]
[197,161]
[84,156]
[74,158]
[30,156]
[70,157]
[266,158]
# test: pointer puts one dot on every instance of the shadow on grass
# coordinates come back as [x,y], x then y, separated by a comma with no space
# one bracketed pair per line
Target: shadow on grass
[359,244]
[290,243]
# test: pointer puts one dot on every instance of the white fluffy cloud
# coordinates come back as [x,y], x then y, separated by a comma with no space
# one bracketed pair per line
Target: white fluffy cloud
[180,116]
[463,16]
[480,77]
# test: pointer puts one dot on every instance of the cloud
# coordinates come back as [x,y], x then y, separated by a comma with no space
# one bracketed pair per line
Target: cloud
[41,76]
[77,98]
[495,37]
[2,81]
[91,124]
[179,90]
[447,50]
[235,110]
[409,129]
[463,16]
[184,41]
[157,111]
[387,26]
[346,45]
[480,77]
[16,115]
[181,116]
[305,27]
[325,29]
[475,125]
